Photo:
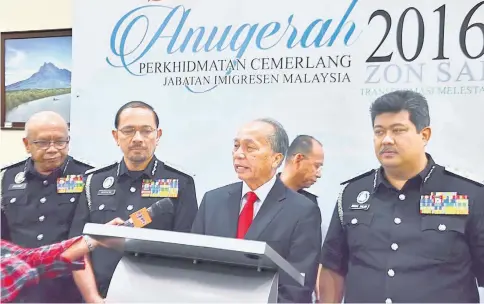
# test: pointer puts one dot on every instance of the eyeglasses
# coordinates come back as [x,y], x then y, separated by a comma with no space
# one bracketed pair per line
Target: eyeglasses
[45,144]
[131,131]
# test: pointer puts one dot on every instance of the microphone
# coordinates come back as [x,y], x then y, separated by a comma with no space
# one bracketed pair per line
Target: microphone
[162,211]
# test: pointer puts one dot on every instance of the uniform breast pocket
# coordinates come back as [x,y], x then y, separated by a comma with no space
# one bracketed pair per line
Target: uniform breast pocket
[16,209]
[65,208]
[103,212]
[357,225]
[443,237]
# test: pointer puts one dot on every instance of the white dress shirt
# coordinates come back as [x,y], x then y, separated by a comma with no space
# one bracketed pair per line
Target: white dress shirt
[261,193]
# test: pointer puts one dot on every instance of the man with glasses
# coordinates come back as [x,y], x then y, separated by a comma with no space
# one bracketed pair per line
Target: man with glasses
[303,165]
[38,198]
[120,189]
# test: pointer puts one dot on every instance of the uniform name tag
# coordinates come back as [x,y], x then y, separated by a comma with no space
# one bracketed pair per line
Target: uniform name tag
[103,192]
[360,207]
[444,203]
[159,188]
[70,184]
[17,186]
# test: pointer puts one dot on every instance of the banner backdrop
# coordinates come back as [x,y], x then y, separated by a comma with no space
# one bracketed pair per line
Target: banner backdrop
[314,65]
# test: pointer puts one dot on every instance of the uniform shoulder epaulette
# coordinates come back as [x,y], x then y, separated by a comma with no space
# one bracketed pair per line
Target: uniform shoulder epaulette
[464,175]
[359,177]
[13,164]
[177,169]
[100,169]
[83,162]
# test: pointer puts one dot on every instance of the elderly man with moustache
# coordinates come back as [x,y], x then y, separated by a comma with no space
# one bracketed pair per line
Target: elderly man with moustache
[262,208]
[38,198]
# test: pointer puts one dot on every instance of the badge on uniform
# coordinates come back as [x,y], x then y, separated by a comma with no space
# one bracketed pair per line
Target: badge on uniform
[70,184]
[445,203]
[361,200]
[107,183]
[19,182]
[19,177]
[159,188]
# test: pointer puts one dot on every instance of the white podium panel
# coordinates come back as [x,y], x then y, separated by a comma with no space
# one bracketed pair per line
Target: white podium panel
[167,266]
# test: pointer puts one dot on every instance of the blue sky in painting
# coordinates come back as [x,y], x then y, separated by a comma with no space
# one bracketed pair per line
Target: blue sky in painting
[24,57]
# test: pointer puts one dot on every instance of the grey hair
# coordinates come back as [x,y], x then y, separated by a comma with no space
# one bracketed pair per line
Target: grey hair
[279,140]
[43,117]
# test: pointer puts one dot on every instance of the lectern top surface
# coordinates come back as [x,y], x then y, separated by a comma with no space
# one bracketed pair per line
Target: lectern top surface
[202,248]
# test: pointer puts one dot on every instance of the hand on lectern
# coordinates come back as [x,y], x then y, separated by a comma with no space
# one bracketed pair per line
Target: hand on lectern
[117,221]
[105,242]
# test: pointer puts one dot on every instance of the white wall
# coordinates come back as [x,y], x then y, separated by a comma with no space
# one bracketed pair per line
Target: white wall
[28,15]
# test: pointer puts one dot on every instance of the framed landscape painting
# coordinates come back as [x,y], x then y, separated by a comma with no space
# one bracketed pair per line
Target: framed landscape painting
[36,75]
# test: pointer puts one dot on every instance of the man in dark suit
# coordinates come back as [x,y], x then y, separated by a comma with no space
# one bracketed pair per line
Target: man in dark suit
[302,168]
[262,208]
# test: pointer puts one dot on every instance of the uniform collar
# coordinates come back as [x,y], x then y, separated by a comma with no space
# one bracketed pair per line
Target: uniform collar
[149,171]
[262,191]
[422,176]
[32,172]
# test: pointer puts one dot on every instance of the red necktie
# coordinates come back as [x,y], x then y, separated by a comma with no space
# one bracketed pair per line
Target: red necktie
[246,216]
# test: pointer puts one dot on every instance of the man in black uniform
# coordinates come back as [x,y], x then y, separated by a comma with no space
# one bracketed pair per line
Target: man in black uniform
[302,168]
[303,165]
[410,231]
[38,198]
[120,189]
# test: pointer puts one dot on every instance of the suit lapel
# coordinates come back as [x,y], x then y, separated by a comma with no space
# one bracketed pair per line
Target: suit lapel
[232,210]
[268,211]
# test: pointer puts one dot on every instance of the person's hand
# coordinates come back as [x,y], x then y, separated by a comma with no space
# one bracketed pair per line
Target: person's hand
[117,221]
[109,242]
[96,298]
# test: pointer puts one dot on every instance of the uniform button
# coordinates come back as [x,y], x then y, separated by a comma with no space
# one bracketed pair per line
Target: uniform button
[354,221]
[101,207]
[391,273]
[41,218]
[43,200]
[133,189]
[397,220]
[13,200]
[442,227]
[394,246]
[73,199]
[46,182]
[388,301]
[130,207]
[40,237]
[401,197]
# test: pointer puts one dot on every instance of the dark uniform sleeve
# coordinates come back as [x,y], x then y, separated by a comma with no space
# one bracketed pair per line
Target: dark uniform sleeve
[187,208]
[199,222]
[476,239]
[81,216]
[334,253]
